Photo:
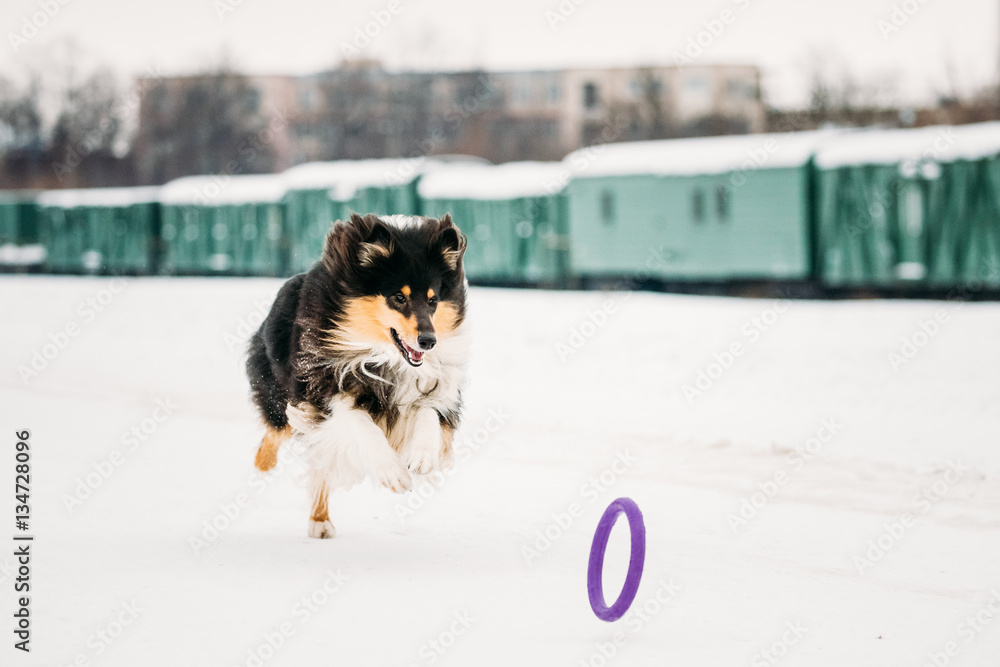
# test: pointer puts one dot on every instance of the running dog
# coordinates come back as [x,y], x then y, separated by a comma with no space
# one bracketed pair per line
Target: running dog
[364,358]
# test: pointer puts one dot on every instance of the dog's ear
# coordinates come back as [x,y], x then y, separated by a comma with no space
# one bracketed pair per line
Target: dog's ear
[359,241]
[375,239]
[451,242]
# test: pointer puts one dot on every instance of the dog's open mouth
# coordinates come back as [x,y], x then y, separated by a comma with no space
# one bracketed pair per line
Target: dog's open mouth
[415,357]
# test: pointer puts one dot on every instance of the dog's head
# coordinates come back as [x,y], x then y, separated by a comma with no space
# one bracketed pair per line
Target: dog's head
[403,280]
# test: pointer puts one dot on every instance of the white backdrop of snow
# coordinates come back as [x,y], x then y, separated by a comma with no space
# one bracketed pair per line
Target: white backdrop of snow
[565,423]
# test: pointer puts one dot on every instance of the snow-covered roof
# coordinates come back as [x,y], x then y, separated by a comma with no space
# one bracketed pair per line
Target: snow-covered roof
[482,181]
[702,155]
[320,175]
[343,178]
[115,197]
[224,189]
[943,143]
[353,173]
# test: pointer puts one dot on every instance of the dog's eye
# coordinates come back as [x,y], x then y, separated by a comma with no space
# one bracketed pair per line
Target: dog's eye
[399,298]
[433,300]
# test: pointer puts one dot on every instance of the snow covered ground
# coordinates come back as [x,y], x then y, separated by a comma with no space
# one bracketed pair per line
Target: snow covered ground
[827,495]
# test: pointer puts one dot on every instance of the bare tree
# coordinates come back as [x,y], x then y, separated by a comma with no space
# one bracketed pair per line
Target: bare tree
[838,96]
[206,124]
[87,128]
[651,111]
[23,147]
[20,112]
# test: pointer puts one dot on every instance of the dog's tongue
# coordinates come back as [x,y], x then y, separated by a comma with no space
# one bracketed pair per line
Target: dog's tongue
[415,355]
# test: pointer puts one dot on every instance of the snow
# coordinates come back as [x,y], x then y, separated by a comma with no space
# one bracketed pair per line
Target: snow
[25,255]
[153,370]
[702,155]
[224,189]
[343,178]
[937,143]
[506,181]
[99,197]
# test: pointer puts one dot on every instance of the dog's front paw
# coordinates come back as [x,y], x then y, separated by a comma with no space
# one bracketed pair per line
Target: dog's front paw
[391,473]
[424,456]
[424,453]
[397,479]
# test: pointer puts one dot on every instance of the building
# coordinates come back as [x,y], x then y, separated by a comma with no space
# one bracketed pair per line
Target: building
[267,123]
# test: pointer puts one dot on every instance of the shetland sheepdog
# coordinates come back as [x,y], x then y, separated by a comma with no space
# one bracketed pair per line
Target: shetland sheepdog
[363,357]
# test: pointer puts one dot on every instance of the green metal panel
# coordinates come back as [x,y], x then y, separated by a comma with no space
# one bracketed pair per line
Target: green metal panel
[514,240]
[310,214]
[131,238]
[386,200]
[18,218]
[98,239]
[10,222]
[963,239]
[259,246]
[63,232]
[859,225]
[18,226]
[237,239]
[929,224]
[703,227]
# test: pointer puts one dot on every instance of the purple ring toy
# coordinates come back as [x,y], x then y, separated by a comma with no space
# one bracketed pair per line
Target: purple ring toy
[595,571]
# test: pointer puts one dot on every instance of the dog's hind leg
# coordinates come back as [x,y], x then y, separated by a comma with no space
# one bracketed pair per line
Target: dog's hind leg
[319,520]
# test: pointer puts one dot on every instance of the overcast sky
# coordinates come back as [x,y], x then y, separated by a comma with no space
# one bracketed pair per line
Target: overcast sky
[942,45]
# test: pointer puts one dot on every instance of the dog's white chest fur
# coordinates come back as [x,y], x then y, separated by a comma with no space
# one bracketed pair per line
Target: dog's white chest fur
[349,445]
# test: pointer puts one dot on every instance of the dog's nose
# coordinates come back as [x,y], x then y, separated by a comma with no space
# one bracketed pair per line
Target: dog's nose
[426,341]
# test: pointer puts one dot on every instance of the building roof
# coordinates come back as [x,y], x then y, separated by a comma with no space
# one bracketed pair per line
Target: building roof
[223,189]
[483,181]
[326,175]
[944,143]
[703,155]
[344,178]
[96,197]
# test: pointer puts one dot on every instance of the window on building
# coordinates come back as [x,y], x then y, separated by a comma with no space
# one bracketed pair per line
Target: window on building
[307,99]
[590,97]
[741,89]
[608,213]
[251,100]
[696,83]
[698,205]
[522,92]
[555,92]
[645,86]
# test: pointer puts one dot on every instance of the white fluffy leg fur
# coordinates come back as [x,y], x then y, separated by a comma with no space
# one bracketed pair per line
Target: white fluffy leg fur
[349,446]
[423,450]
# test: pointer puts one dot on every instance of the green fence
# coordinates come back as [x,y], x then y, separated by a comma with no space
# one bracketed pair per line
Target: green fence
[716,209]
[225,225]
[19,245]
[516,230]
[99,230]
[917,208]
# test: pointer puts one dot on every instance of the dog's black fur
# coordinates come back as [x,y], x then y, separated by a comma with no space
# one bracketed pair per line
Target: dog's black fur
[301,355]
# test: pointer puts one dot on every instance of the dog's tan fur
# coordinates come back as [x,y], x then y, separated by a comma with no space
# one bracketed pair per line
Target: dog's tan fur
[267,453]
